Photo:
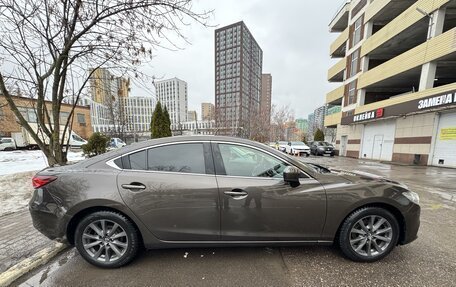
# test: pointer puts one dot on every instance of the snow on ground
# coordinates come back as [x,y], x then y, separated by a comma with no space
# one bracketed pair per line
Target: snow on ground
[16,171]
[12,162]
[15,191]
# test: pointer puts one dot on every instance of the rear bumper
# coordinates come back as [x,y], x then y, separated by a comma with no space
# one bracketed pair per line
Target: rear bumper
[412,224]
[47,217]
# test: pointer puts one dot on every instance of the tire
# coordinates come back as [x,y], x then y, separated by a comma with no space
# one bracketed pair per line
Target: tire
[121,249]
[351,237]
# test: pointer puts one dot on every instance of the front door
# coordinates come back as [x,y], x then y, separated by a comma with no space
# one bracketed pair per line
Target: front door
[377,149]
[343,145]
[172,189]
[256,202]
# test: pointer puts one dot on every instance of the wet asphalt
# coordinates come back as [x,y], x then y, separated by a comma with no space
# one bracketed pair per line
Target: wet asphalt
[428,261]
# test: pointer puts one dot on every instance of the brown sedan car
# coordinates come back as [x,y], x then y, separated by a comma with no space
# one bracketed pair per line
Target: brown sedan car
[217,191]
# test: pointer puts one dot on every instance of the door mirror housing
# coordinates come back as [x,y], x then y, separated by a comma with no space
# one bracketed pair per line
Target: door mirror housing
[291,175]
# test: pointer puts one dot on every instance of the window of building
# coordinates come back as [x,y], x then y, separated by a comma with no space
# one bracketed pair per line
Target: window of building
[357,31]
[351,98]
[64,117]
[354,65]
[81,118]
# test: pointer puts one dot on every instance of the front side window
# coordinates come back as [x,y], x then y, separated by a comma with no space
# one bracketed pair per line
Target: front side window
[187,158]
[249,162]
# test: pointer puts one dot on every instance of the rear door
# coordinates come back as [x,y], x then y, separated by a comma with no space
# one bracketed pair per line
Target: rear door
[172,189]
[258,205]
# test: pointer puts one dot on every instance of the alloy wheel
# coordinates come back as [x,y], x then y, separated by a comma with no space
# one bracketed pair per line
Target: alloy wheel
[105,241]
[371,235]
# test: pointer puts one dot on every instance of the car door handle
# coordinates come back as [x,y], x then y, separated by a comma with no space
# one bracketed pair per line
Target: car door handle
[134,186]
[236,193]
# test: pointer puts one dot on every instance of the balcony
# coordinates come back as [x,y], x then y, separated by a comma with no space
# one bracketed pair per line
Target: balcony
[338,47]
[337,72]
[331,121]
[399,24]
[405,68]
[406,98]
[335,97]
[340,21]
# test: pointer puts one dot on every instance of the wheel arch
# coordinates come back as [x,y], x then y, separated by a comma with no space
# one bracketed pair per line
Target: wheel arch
[76,218]
[396,213]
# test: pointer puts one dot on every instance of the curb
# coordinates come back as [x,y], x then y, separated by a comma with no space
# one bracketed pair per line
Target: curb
[26,265]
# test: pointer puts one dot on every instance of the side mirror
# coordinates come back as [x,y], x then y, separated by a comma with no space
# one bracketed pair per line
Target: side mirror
[291,175]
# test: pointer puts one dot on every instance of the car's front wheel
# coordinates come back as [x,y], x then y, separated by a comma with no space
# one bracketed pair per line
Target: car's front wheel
[107,239]
[368,234]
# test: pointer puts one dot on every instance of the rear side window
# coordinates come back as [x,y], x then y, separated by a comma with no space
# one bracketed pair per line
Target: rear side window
[138,160]
[187,158]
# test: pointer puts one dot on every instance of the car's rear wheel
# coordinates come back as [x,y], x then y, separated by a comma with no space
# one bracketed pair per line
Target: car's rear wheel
[107,239]
[368,234]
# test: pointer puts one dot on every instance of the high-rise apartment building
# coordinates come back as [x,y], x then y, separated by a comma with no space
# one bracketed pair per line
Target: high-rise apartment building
[319,118]
[105,106]
[207,111]
[396,65]
[265,101]
[137,114]
[106,87]
[192,116]
[238,69]
[172,94]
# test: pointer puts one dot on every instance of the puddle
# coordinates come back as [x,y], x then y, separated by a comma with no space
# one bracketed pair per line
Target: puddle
[42,275]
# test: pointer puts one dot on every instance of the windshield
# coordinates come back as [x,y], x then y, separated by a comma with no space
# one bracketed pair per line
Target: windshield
[120,141]
[297,143]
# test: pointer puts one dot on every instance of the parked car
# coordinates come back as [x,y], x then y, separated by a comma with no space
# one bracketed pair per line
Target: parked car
[282,145]
[7,144]
[322,148]
[116,143]
[297,148]
[207,191]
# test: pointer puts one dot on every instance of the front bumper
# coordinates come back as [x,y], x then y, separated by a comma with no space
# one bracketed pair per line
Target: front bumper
[47,217]
[412,224]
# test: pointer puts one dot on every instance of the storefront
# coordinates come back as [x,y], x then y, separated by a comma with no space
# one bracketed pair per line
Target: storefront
[421,131]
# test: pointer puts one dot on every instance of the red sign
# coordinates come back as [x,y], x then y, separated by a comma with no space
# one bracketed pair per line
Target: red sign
[379,113]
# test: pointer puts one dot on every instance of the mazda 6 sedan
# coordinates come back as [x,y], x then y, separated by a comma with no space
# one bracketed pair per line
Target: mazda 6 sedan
[208,191]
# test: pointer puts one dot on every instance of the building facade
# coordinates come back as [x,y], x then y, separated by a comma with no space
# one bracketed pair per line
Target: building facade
[207,111]
[265,100]
[173,95]
[238,69]
[302,125]
[195,128]
[137,114]
[396,66]
[319,118]
[9,124]
[192,116]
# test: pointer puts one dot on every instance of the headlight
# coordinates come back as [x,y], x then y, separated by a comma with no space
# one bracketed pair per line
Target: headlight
[412,196]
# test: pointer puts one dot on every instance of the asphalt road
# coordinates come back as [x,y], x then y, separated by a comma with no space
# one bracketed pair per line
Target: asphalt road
[429,261]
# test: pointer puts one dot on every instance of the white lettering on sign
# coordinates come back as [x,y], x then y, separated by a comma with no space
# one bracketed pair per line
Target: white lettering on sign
[436,101]
[364,116]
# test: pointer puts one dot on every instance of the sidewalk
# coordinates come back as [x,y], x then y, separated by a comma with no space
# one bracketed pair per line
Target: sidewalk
[19,239]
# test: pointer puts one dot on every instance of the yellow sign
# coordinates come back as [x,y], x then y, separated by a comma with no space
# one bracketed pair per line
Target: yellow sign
[448,134]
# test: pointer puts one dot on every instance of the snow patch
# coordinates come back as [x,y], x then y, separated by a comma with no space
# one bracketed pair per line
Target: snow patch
[15,192]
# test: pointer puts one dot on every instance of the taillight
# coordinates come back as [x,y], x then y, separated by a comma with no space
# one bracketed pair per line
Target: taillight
[41,180]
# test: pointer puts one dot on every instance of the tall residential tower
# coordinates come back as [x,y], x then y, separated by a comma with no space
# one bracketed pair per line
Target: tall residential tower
[238,69]
[172,94]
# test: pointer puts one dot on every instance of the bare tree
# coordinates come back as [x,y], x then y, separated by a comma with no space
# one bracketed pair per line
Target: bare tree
[50,48]
[280,117]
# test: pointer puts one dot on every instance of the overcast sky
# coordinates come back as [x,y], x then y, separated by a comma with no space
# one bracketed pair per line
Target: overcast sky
[293,35]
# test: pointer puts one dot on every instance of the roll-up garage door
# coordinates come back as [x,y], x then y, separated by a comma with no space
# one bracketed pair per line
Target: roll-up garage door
[445,142]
